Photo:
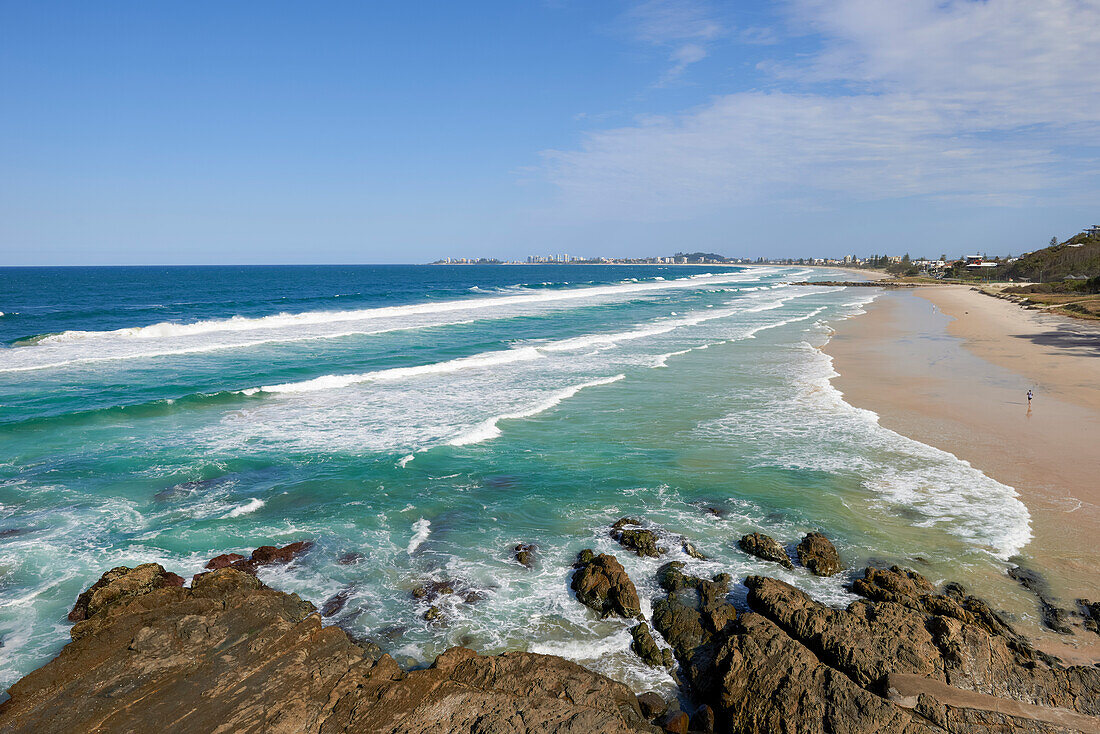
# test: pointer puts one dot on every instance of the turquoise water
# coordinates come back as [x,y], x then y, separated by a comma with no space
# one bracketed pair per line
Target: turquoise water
[426,420]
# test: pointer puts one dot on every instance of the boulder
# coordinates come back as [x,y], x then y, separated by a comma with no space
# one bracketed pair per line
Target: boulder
[675,722]
[766,547]
[640,540]
[262,556]
[222,561]
[653,705]
[602,585]
[818,554]
[230,654]
[648,649]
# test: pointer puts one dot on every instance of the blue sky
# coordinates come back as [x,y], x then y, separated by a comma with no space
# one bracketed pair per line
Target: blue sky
[277,132]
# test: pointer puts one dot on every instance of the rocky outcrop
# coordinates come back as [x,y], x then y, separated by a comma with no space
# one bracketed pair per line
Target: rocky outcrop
[230,654]
[628,533]
[602,585]
[818,554]
[766,547]
[904,659]
[690,616]
[120,584]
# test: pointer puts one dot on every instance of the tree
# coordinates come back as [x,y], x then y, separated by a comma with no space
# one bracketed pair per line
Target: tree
[1053,241]
[943,256]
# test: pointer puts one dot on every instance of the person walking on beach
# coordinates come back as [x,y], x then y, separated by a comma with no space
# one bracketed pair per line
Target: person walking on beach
[1029,396]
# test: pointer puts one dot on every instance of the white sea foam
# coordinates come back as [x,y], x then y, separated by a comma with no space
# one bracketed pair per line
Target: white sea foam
[330,382]
[488,429]
[73,348]
[421,530]
[251,506]
[404,460]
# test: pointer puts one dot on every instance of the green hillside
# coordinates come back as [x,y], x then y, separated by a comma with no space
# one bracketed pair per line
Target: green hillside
[1077,256]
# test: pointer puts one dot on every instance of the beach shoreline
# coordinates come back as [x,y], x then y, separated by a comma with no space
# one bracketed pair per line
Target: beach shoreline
[951,367]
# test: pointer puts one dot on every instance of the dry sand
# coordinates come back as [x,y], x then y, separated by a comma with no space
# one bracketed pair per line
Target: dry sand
[951,367]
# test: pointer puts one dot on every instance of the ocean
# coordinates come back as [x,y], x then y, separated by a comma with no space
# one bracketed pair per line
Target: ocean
[418,422]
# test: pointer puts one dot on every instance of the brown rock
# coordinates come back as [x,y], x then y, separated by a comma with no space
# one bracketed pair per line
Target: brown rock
[602,585]
[703,720]
[231,654]
[766,547]
[647,648]
[818,554]
[640,540]
[120,584]
[223,561]
[676,722]
[653,705]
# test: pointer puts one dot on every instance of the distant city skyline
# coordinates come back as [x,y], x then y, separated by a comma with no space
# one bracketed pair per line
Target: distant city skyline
[138,133]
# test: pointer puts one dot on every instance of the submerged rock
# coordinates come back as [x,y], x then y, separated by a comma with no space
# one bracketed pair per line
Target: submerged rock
[766,547]
[231,654]
[1053,617]
[818,554]
[602,585]
[692,551]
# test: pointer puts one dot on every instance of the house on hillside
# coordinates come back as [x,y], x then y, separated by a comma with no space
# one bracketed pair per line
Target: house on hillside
[977,261]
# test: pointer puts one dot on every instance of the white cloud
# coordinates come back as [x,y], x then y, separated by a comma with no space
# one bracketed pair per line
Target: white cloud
[963,99]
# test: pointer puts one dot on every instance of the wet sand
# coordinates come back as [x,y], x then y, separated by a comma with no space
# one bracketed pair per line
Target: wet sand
[951,367]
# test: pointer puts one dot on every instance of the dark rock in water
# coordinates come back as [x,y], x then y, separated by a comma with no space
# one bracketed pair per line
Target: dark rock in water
[524,553]
[720,512]
[120,584]
[903,659]
[1091,612]
[231,654]
[602,585]
[350,559]
[14,532]
[640,540]
[336,603]
[222,561]
[691,550]
[818,554]
[703,720]
[653,705]
[766,547]
[647,648]
[433,614]
[1053,616]
[692,616]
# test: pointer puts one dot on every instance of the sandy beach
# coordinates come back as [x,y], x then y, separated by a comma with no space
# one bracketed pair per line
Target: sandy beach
[951,367]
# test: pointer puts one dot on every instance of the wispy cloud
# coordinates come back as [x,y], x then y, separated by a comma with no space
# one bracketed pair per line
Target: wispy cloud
[959,99]
[684,27]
